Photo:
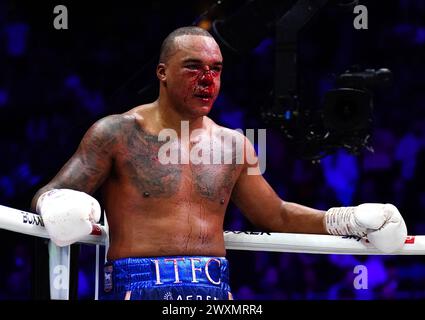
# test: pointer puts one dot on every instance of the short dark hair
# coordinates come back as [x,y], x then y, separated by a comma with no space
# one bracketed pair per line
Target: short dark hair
[168,43]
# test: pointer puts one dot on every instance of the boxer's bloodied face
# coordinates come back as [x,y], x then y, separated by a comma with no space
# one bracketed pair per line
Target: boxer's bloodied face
[191,75]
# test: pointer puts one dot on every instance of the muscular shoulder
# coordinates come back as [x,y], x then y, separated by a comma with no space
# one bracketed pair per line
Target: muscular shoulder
[105,132]
[107,126]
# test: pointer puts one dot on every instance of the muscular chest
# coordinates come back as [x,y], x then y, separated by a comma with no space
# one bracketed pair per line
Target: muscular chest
[165,169]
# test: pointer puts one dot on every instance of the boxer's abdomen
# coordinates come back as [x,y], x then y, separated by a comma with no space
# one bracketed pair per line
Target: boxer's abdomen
[184,224]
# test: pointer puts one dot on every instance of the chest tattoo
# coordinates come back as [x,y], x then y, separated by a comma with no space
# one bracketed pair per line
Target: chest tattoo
[154,179]
[148,175]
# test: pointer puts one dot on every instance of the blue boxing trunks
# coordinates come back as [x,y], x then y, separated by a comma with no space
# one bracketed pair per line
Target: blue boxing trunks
[167,278]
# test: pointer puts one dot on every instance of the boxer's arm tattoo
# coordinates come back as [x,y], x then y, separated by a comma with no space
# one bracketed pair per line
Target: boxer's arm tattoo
[89,166]
[146,173]
[92,162]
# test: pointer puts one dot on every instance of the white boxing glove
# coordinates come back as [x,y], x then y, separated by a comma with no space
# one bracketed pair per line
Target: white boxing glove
[382,224]
[68,214]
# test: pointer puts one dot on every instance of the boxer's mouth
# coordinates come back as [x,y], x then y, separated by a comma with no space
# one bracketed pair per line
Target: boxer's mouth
[204,96]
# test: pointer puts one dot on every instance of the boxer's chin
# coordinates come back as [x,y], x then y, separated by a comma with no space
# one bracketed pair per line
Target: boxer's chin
[202,107]
[203,110]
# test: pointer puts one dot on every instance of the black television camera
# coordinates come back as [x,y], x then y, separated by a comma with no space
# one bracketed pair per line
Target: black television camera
[344,121]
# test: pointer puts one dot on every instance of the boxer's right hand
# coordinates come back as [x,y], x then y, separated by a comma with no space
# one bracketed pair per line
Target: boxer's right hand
[68,214]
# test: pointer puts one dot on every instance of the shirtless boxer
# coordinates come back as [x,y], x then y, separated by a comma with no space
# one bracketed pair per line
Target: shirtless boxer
[166,220]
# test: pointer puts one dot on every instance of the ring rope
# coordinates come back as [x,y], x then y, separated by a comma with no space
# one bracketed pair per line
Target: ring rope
[32,224]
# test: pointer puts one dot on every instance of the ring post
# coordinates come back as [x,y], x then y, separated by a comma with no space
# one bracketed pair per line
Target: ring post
[59,264]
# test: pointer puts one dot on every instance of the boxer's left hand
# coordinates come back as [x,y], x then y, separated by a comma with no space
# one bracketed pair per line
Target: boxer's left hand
[382,224]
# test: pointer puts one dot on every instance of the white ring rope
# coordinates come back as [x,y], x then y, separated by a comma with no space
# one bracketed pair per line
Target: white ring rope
[32,224]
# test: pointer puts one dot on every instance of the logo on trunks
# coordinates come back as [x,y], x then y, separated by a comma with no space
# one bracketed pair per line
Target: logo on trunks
[107,285]
[194,269]
[169,296]
[215,146]
[32,219]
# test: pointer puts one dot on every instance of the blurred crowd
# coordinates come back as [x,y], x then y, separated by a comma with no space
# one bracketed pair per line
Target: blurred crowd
[55,83]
